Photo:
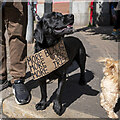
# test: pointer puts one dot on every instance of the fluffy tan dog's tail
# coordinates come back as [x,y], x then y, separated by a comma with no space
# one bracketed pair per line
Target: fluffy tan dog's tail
[104,60]
[110,63]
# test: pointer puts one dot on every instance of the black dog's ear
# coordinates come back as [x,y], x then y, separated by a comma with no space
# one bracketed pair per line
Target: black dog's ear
[38,34]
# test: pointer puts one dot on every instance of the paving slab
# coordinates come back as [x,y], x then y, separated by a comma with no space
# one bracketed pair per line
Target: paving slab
[29,111]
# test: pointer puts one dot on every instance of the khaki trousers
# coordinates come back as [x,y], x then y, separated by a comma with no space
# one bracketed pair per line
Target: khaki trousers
[14,20]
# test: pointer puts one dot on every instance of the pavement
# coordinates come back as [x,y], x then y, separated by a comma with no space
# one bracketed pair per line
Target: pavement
[78,101]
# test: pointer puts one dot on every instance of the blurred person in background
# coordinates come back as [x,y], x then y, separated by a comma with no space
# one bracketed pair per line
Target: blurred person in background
[115,9]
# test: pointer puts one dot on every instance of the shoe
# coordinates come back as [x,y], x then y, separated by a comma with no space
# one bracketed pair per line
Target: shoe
[21,93]
[115,33]
[119,31]
[4,84]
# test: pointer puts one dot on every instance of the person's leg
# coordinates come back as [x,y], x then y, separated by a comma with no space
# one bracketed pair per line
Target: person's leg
[16,28]
[3,58]
[118,21]
[18,54]
[116,26]
[4,83]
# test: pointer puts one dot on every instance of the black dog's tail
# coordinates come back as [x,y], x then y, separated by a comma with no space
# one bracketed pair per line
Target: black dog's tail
[87,55]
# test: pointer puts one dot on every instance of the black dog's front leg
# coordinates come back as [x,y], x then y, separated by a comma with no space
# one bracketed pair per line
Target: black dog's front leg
[43,102]
[57,105]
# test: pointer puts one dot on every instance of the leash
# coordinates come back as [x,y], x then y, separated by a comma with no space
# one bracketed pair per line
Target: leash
[34,12]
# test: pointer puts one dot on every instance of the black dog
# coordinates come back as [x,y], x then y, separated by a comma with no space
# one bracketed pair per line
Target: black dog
[50,29]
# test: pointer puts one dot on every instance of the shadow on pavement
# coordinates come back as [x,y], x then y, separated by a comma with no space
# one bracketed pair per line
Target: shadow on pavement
[104,31]
[73,91]
[117,107]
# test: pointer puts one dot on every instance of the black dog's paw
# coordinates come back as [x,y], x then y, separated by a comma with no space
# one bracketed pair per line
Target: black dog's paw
[41,106]
[57,107]
[82,82]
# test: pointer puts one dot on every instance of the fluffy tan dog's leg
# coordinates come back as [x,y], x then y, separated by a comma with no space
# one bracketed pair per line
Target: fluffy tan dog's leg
[108,102]
[102,100]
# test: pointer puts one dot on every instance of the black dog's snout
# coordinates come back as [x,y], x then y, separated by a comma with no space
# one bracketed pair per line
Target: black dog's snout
[70,16]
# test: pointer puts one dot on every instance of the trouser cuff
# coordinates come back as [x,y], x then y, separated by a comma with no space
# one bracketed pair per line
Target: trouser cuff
[14,80]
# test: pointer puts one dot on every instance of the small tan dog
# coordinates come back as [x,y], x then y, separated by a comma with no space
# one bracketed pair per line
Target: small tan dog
[110,86]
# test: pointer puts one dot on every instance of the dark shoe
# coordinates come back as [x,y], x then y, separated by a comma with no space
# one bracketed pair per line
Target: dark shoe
[5,84]
[20,91]
[115,33]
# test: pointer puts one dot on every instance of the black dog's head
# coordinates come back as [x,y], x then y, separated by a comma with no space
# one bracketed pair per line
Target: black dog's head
[53,26]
